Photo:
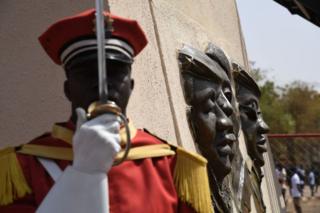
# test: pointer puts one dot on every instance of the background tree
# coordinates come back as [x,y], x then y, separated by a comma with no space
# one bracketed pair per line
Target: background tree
[293,108]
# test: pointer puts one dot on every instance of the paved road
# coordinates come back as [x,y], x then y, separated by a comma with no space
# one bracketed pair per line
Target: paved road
[309,204]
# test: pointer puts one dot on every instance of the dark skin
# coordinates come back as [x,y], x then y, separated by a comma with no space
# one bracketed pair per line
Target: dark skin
[253,125]
[210,116]
[82,88]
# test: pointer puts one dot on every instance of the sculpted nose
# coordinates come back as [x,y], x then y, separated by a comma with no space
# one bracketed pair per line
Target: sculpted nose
[225,110]
[223,121]
[263,128]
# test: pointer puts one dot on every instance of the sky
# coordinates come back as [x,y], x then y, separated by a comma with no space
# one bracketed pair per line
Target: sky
[286,45]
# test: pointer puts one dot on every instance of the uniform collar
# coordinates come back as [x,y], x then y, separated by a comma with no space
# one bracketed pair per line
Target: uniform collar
[65,131]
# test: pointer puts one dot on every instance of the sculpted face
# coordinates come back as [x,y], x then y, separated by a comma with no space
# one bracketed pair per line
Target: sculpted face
[208,94]
[210,117]
[253,125]
[82,88]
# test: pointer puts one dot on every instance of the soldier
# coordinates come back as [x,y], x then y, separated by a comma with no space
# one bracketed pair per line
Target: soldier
[254,129]
[208,94]
[69,169]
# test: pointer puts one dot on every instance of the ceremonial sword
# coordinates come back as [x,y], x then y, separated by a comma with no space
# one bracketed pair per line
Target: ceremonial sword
[101,34]
[104,105]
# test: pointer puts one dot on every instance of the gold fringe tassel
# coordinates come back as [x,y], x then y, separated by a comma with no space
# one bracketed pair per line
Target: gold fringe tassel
[191,181]
[13,184]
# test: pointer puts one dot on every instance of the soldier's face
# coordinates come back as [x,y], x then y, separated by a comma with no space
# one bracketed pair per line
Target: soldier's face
[253,125]
[82,86]
[210,118]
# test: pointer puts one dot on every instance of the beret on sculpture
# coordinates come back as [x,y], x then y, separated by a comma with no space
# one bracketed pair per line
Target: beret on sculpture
[244,79]
[217,54]
[76,34]
[197,63]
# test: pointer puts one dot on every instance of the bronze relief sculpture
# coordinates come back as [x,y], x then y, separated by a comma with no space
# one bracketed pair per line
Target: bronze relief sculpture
[253,125]
[238,177]
[208,94]
[254,129]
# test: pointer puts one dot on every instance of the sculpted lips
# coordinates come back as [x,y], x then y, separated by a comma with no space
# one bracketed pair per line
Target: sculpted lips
[224,146]
[261,144]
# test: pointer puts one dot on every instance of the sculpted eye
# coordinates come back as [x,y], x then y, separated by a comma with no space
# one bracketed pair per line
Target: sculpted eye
[228,93]
[253,105]
[249,110]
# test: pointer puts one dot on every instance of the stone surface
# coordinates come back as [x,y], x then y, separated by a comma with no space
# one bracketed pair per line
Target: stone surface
[149,104]
[31,91]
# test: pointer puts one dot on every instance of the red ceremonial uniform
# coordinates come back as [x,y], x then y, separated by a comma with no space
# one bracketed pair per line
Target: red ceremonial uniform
[144,185]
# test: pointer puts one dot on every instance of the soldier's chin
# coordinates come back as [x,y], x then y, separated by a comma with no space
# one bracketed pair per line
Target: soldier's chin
[91,101]
[117,101]
[225,156]
[225,161]
[220,164]
[259,161]
[261,147]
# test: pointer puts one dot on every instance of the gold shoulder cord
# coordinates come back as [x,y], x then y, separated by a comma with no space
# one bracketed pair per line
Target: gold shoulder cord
[191,180]
[65,153]
[12,181]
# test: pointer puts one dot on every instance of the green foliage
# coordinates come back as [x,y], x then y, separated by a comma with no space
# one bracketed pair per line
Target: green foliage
[294,108]
[273,109]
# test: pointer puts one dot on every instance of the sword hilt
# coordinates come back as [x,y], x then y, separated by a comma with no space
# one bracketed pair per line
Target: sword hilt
[96,108]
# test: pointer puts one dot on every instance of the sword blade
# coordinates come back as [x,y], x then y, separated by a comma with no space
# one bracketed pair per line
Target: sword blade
[102,68]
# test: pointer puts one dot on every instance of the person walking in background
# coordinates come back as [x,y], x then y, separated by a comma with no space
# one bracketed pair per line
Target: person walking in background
[317,176]
[311,181]
[282,177]
[302,175]
[296,189]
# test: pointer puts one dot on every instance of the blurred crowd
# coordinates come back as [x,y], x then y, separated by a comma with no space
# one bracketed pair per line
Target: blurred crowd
[294,179]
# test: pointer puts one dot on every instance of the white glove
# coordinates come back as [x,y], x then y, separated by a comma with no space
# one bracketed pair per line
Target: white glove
[96,142]
[83,187]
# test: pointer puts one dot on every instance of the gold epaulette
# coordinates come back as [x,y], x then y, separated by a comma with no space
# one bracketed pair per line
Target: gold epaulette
[191,180]
[13,184]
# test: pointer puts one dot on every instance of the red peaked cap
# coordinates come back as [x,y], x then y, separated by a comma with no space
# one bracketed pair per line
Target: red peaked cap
[80,25]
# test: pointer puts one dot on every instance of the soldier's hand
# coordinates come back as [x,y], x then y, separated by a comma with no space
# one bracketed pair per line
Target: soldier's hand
[96,142]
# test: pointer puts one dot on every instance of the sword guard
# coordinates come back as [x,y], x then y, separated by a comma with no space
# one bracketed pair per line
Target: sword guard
[97,108]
